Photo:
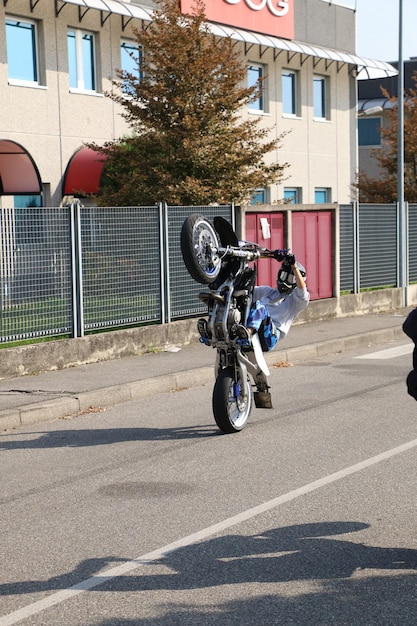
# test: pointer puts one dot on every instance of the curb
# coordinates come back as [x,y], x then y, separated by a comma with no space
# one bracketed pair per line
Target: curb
[341,344]
[96,399]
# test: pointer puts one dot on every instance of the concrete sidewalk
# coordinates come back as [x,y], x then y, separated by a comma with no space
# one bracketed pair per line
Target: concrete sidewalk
[52,395]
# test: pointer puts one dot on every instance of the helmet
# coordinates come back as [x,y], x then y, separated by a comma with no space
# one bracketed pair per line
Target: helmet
[286,279]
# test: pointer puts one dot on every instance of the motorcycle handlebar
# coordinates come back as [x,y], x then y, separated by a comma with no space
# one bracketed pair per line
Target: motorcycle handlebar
[242,253]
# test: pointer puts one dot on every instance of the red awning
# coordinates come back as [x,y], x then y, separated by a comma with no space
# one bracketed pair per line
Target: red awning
[18,172]
[82,176]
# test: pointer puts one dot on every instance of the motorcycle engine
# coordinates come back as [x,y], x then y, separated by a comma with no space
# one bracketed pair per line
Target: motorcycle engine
[233,317]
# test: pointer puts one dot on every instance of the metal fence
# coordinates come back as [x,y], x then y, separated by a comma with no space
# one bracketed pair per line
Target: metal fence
[121,266]
[35,273]
[182,289]
[72,270]
[412,243]
[369,246]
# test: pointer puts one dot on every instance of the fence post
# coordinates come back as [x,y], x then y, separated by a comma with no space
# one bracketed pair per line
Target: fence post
[164,263]
[76,271]
[402,249]
[407,250]
[356,249]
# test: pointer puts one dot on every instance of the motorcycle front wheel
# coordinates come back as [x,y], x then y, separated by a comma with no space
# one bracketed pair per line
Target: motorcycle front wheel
[199,244]
[232,401]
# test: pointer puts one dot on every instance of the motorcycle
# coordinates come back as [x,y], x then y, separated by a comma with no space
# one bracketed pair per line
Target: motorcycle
[214,256]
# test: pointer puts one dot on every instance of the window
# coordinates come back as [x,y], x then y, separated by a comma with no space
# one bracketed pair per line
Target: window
[289,92]
[81,60]
[28,221]
[35,200]
[22,56]
[322,195]
[129,57]
[320,97]
[255,73]
[292,195]
[369,131]
[259,196]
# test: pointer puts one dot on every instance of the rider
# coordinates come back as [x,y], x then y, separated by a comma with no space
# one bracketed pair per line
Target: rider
[271,315]
[280,306]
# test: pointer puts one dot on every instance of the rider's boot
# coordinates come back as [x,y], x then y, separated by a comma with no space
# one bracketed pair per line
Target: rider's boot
[263,400]
[262,395]
[242,334]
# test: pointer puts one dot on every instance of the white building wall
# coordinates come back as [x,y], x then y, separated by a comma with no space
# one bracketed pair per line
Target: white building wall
[51,122]
[320,152]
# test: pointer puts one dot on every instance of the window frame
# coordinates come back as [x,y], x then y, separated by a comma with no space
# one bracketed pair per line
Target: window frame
[25,82]
[257,193]
[324,97]
[327,191]
[295,111]
[130,46]
[375,131]
[260,104]
[295,195]
[79,67]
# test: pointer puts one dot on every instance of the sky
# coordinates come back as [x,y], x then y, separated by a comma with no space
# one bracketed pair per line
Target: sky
[377,28]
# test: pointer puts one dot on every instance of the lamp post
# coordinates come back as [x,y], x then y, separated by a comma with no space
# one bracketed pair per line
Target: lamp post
[402,221]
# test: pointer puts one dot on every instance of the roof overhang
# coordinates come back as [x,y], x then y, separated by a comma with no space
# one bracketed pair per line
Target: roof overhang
[83,173]
[366,68]
[127,11]
[18,172]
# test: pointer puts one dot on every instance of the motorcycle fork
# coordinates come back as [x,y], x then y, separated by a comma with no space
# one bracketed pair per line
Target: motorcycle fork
[240,382]
[219,316]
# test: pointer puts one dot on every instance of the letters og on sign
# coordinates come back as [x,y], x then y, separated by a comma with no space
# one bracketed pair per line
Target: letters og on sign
[269,17]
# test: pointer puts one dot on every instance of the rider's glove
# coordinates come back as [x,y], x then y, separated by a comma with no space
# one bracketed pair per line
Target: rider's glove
[279,255]
[290,259]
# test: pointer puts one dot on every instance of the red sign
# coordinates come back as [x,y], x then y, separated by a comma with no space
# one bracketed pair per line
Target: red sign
[270,17]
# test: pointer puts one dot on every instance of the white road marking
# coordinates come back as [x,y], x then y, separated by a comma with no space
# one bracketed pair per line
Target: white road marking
[129,566]
[388,353]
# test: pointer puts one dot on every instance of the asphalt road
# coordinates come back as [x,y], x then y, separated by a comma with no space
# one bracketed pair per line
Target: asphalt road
[145,514]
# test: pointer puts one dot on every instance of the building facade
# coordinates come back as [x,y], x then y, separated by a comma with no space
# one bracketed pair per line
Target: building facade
[372,113]
[58,57]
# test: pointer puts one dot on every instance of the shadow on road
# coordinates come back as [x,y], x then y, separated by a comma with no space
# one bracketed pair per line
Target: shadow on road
[99,437]
[305,552]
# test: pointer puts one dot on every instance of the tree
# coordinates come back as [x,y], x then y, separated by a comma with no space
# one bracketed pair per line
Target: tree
[384,188]
[189,143]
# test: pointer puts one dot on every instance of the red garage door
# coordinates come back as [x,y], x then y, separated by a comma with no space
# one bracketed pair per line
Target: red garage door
[267,230]
[312,245]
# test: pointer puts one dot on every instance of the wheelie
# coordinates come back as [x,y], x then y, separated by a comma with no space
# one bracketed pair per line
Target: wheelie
[243,321]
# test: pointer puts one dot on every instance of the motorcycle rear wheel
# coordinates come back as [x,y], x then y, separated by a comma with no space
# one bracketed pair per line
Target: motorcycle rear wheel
[199,244]
[232,401]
